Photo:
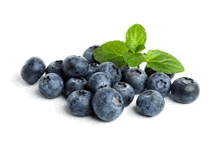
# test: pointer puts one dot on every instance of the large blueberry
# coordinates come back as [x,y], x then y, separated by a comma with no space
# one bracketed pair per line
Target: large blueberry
[159,82]
[98,80]
[107,104]
[185,90]
[50,85]
[32,70]
[150,71]
[126,91]
[136,78]
[80,103]
[74,84]
[150,103]
[75,66]
[88,54]
[93,68]
[112,70]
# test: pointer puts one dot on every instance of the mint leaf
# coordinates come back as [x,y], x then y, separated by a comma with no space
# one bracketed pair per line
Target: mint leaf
[136,36]
[111,52]
[133,59]
[161,61]
[139,48]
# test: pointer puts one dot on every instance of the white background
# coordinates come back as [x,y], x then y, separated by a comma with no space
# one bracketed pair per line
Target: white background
[54,29]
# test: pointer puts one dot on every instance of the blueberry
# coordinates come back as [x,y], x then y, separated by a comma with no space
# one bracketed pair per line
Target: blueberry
[112,70]
[80,103]
[55,67]
[136,78]
[32,70]
[88,54]
[126,91]
[93,68]
[150,71]
[170,75]
[185,90]
[75,66]
[74,84]
[50,85]
[123,71]
[159,82]
[107,104]
[98,80]
[150,103]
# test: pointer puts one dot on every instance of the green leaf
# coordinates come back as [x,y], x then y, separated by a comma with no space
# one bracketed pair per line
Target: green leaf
[111,52]
[139,48]
[133,59]
[136,36]
[161,61]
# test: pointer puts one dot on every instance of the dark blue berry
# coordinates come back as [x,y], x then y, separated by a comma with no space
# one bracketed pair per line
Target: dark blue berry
[150,71]
[55,67]
[74,84]
[93,68]
[97,81]
[150,103]
[75,66]
[89,54]
[107,104]
[80,103]
[185,90]
[159,82]
[126,91]
[50,85]
[136,78]
[123,71]
[111,70]
[32,70]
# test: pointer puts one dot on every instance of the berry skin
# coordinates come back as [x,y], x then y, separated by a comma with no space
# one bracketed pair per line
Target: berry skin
[93,68]
[112,70]
[80,103]
[126,91]
[150,71]
[150,103]
[185,90]
[50,85]
[107,104]
[75,66]
[123,71]
[74,84]
[159,82]
[55,67]
[97,81]
[170,75]
[32,70]
[136,78]
[89,54]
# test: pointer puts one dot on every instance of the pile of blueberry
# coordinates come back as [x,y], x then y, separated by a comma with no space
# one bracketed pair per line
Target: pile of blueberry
[104,89]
